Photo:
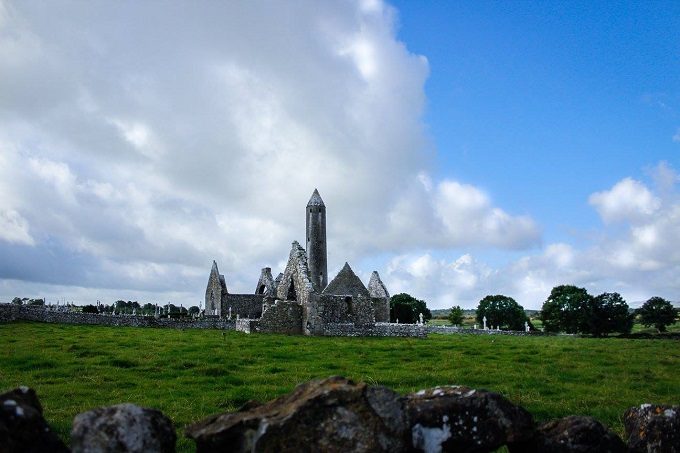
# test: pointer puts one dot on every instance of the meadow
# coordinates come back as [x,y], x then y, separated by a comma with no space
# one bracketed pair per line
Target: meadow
[195,373]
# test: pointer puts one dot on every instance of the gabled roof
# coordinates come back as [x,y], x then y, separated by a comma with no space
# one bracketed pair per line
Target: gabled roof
[376,288]
[346,283]
[315,200]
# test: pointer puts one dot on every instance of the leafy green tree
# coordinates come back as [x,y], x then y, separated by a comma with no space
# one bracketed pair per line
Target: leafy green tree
[194,310]
[607,313]
[564,309]
[456,316]
[407,309]
[501,311]
[657,312]
[36,302]
[17,301]
[90,309]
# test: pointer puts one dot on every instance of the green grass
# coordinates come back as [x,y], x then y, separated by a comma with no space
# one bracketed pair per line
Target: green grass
[195,373]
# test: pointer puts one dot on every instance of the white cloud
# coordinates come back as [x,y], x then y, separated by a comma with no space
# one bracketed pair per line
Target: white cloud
[14,228]
[628,200]
[638,257]
[676,137]
[136,154]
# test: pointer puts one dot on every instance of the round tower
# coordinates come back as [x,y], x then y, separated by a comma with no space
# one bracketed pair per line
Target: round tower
[316,242]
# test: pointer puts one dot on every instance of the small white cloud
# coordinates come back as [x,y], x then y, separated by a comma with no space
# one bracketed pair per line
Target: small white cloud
[628,200]
[676,137]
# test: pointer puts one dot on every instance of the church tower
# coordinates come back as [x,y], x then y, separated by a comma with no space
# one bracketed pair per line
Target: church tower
[316,242]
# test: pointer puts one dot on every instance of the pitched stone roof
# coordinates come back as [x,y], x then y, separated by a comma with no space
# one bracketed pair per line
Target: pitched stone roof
[376,288]
[315,200]
[346,283]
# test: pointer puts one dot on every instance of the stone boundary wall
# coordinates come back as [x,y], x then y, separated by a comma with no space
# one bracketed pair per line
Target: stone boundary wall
[9,312]
[449,330]
[380,329]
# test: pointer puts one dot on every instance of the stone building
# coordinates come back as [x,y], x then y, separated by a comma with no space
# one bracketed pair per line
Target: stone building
[300,299]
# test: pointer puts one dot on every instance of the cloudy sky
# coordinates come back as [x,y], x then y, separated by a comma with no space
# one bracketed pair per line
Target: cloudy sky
[462,149]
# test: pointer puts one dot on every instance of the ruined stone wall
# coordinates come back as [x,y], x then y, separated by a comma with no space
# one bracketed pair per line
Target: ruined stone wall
[376,330]
[245,305]
[281,317]
[335,309]
[381,309]
[8,312]
[346,309]
[41,314]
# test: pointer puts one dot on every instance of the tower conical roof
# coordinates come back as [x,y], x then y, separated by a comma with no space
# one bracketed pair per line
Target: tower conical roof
[316,199]
[346,283]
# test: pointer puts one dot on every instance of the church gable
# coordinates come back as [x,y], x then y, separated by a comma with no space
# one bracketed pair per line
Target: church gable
[346,283]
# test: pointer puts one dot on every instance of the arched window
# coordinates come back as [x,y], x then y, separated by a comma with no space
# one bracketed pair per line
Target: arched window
[348,302]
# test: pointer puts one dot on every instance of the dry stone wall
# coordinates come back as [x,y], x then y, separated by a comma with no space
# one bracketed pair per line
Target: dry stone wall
[41,314]
[336,414]
[376,330]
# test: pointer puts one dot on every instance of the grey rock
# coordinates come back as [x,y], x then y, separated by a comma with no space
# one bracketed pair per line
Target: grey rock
[122,428]
[575,434]
[462,419]
[653,428]
[331,415]
[22,426]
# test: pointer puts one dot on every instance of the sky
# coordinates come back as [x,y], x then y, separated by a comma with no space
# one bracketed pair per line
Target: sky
[462,148]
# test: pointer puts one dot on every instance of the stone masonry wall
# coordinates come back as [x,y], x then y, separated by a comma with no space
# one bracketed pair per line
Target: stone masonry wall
[376,330]
[282,317]
[381,309]
[244,305]
[40,314]
[448,330]
[8,312]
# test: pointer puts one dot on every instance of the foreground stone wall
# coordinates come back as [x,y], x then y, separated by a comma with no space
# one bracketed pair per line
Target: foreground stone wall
[40,314]
[338,415]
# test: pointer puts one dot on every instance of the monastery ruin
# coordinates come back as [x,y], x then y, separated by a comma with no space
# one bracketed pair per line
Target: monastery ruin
[300,299]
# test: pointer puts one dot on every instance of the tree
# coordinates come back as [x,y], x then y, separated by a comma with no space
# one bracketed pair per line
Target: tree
[564,309]
[501,311]
[17,301]
[605,314]
[36,302]
[456,315]
[194,310]
[657,312]
[90,309]
[407,309]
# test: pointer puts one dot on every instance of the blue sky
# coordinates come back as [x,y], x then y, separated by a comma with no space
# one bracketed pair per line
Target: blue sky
[544,103]
[462,148]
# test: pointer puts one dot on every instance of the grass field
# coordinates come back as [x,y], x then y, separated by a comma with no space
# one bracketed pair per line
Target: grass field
[194,373]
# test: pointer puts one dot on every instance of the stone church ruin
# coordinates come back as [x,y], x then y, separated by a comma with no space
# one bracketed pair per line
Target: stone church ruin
[300,300]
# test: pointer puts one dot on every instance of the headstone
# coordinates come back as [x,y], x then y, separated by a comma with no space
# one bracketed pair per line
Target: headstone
[526,326]
[229,312]
[484,319]
[475,326]
[397,320]
[420,317]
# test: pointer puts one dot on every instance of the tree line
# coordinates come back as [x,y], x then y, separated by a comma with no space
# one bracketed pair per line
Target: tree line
[567,309]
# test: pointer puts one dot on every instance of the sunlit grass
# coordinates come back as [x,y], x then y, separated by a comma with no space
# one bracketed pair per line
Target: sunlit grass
[195,373]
